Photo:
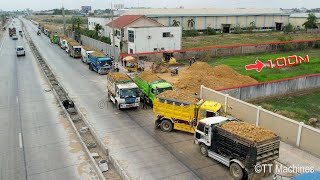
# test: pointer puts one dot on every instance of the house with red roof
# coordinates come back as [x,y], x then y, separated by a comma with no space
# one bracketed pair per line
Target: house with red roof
[121,25]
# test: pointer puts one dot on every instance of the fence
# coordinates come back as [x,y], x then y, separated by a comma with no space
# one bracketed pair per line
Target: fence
[292,132]
[98,45]
[231,50]
[273,88]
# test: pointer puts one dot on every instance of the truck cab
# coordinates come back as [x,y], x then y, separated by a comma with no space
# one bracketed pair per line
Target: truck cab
[127,95]
[100,63]
[157,88]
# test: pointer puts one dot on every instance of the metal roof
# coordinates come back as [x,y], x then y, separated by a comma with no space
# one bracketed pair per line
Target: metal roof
[303,15]
[203,12]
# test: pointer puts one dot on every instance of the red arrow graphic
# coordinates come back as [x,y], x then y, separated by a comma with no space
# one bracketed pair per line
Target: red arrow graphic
[257,66]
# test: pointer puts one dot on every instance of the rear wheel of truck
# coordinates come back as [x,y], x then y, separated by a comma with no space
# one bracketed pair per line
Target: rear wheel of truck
[236,171]
[204,150]
[166,126]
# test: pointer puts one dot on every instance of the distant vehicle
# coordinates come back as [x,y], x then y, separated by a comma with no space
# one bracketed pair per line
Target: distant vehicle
[100,63]
[20,51]
[12,31]
[14,37]
[74,49]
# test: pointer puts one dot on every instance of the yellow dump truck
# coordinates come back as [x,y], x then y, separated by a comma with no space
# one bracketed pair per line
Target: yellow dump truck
[181,115]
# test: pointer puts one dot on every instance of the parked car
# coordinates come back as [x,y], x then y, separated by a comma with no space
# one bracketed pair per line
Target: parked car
[20,51]
[14,37]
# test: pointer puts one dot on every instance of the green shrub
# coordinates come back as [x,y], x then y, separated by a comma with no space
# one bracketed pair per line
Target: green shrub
[237,29]
[317,45]
[105,39]
[190,33]
[211,31]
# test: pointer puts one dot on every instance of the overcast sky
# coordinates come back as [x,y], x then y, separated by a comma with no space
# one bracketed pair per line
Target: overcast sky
[104,4]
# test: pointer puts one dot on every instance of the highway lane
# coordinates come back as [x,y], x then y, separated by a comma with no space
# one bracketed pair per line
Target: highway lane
[129,134]
[37,142]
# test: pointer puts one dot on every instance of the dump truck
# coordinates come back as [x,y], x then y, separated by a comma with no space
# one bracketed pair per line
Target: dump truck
[227,144]
[100,63]
[12,31]
[122,91]
[74,49]
[85,51]
[151,85]
[63,42]
[67,41]
[54,38]
[182,115]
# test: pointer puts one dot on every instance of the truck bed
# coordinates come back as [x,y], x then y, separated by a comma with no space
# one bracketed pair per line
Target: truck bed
[250,152]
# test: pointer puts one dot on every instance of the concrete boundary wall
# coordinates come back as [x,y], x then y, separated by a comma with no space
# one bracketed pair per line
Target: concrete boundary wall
[290,131]
[98,45]
[273,88]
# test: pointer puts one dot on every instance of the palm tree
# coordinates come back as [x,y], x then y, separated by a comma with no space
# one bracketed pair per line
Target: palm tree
[97,30]
[176,23]
[191,23]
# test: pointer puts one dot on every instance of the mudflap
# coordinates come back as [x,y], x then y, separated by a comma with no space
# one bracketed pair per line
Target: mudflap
[157,123]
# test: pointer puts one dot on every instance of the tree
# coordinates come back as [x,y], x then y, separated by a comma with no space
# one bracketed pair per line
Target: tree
[288,28]
[252,26]
[237,29]
[191,23]
[176,23]
[311,22]
[97,29]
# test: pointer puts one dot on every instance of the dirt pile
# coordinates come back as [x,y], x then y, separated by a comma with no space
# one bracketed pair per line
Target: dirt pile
[148,76]
[160,68]
[98,54]
[248,131]
[118,76]
[181,95]
[201,73]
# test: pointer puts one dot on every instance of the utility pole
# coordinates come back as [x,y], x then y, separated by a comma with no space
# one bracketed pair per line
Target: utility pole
[64,21]
[113,40]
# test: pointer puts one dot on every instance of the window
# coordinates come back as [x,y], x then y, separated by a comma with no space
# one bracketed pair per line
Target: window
[206,129]
[131,51]
[210,114]
[200,127]
[130,36]
[166,34]
[155,49]
[122,32]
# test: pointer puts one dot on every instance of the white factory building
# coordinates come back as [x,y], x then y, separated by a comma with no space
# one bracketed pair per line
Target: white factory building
[147,39]
[93,21]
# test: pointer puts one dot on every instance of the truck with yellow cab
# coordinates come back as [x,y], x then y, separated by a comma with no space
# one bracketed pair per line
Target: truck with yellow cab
[183,115]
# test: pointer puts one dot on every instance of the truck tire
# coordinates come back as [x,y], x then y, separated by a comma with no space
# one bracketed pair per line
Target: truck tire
[236,171]
[166,126]
[204,150]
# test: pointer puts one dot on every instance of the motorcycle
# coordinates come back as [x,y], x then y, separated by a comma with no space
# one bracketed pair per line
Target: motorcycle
[38,33]
[174,72]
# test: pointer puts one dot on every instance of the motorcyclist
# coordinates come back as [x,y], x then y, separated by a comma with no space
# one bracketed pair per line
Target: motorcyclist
[39,33]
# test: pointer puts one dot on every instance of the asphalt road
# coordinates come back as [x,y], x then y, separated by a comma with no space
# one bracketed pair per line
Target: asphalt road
[37,142]
[142,151]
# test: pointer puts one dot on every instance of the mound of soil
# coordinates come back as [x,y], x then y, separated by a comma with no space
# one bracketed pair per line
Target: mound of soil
[148,76]
[179,95]
[248,131]
[118,76]
[201,73]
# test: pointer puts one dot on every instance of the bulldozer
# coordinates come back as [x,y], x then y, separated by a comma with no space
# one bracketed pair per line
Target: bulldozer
[168,58]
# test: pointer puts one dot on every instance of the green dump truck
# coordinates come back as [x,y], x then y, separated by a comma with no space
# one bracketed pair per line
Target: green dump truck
[151,85]
[54,38]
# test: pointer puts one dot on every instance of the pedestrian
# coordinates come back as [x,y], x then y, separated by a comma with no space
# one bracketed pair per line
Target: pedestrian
[144,102]
[193,59]
[190,62]
[117,68]
[112,58]
[122,62]
[125,63]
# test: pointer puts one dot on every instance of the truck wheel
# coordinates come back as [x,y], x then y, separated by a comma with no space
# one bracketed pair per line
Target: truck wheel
[236,171]
[166,126]
[204,150]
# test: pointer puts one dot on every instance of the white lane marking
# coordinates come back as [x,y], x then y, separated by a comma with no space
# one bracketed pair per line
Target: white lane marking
[20,140]
[17,98]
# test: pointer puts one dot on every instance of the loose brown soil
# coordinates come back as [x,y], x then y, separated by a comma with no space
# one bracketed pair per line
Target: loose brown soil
[118,76]
[148,76]
[98,54]
[201,73]
[181,95]
[248,131]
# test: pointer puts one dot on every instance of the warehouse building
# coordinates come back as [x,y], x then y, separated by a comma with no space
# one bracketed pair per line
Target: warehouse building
[298,19]
[224,20]
[93,21]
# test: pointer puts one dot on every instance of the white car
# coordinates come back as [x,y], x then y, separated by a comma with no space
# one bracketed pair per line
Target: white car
[14,37]
[20,51]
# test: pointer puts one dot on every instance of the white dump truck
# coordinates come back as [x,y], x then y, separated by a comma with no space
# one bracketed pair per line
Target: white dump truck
[85,51]
[122,91]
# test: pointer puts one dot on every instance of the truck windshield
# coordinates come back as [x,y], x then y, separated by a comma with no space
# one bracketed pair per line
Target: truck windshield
[104,61]
[127,93]
[77,49]
[160,90]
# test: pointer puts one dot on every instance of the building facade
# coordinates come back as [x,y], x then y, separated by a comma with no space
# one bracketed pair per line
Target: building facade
[298,19]
[222,20]
[121,26]
[93,21]
[147,39]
